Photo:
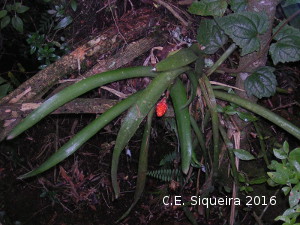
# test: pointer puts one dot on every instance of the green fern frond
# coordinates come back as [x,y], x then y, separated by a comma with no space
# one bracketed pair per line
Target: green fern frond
[166,174]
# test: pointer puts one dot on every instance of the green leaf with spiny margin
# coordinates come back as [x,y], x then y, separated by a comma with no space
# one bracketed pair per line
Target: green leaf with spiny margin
[261,83]
[286,147]
[208,8]
[243,154]
[287,47]
[244,29]
[290,2]
[210,36]
[238,5]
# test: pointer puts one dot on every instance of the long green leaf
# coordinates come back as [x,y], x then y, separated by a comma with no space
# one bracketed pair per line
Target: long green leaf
[85,134]
[194,85]
[143,165]
[211,102]
[179,98]
[76,90]
[200,138]
[137,113]
[267,114]
[181,58]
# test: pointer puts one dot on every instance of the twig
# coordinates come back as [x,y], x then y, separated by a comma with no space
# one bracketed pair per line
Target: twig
[112,13]
[225,85]
[257,219]
[285,106]
[115,92]
[265,209]
[168,7]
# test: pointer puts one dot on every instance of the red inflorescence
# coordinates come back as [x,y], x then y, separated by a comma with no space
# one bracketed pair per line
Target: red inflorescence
[161,107]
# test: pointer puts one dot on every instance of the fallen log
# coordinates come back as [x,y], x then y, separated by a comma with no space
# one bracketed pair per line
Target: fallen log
[131,26]
[85,56]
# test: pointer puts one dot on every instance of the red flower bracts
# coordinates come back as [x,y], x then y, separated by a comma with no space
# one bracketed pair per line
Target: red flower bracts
[161,107]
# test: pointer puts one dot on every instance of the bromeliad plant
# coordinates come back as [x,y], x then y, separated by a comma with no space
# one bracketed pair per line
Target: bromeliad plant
[243,28]
[139,105]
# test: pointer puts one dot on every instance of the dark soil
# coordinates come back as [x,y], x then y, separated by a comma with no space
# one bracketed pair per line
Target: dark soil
[82,194]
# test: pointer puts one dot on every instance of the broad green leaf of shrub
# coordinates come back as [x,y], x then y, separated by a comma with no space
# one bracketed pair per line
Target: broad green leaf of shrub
[287,45]
[294,158]
[258,180]
[244,29]
[208,8]
[279,153]
[238,5]
[281,176]
[5,21]
[17,23]
[294,195]
[271,183]
[247,117]
[64,23]
[286,190]
[290,2]
[296,165]
[243,154]
[278,178]
[21,8]
[241,177]
[295,155]
[3,13]
[289,216]
[261,83]
[274,164]
[286,147]
[210,36]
